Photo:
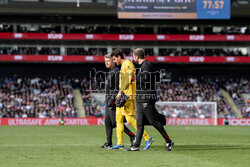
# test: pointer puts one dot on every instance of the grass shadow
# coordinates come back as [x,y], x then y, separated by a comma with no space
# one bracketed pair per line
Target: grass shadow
[203,147]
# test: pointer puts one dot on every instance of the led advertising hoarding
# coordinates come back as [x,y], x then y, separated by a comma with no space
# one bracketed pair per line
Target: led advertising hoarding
[174,9]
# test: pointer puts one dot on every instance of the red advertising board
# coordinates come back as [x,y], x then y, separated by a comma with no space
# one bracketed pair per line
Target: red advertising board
[202,59]
[51,121]
[100,121]
[235,121]
[122,37]
[94,59]
[190,121]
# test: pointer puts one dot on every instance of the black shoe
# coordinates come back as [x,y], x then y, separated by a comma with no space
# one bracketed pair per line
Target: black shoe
[106,145]
[169,146]
[132,149]
[132,140]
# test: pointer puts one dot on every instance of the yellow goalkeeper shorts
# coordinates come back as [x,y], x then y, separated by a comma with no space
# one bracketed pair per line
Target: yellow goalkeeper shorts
[128,109]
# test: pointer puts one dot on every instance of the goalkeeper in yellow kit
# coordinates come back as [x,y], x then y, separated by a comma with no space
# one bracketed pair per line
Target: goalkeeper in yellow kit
[127,87]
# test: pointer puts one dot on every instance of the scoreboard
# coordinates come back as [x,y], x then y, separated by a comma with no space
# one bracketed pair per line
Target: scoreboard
[174,9]
[213,9]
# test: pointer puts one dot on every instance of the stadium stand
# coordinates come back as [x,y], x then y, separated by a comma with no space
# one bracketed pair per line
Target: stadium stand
[29,51]
[191,88]
[118,29]
[89,51]
[36,97]
[127,51]
[52,81]
[52,97]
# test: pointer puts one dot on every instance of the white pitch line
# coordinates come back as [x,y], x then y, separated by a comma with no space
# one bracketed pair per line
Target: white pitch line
[42,145]
[223,144]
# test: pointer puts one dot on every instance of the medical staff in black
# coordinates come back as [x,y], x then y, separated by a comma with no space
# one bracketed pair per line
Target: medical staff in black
[145,100]
[111,90]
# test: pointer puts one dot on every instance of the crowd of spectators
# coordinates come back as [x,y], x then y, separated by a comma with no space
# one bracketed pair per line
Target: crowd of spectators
[181,90]
[237,87]
[190,110]
[123,29]
[6,28]
[51,51]
[22,97]
[246,110]
[201,52]
[89,51]
[29,51]
[87,87]
[126,51]
[91,106]
[197,90]
[38,29]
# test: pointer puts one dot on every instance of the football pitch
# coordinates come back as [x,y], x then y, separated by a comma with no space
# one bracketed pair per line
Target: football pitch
[75,146]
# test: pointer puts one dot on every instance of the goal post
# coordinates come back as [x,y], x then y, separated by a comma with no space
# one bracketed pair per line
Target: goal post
[189,113]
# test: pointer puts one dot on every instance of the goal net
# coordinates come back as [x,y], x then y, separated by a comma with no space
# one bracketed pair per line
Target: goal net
[189,113]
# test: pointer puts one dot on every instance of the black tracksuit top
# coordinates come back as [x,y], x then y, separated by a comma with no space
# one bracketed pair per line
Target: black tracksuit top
[146,83]
[112,86]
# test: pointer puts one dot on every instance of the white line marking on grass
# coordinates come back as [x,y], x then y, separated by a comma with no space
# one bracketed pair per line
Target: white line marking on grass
[230,144]
[42,145]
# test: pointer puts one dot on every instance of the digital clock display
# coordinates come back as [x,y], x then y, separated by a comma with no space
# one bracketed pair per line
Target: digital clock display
[213,4]
[213,9]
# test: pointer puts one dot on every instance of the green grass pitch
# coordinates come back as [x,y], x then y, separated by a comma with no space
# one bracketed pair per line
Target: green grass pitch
[59,146]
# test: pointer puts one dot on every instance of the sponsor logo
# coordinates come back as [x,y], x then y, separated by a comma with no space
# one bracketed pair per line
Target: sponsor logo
[230,37]
[188,121]
[196,59]
[230,59]
[45,121]
[76,122]
[100,121]
[196,37]
[25,122]
[89,58]
[160,37]
[18,57]
[243,122]
[55,58]
[89,36]
[18,35]
[160,58]
[126,37]
[51,121]
[55,36]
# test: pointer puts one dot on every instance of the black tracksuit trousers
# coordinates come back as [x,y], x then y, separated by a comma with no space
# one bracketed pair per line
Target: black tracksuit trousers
[110,123]
[148,111]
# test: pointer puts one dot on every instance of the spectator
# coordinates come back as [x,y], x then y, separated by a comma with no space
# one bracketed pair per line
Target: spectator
[35,97]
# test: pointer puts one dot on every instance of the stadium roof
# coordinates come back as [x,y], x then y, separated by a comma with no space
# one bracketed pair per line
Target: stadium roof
[240,8]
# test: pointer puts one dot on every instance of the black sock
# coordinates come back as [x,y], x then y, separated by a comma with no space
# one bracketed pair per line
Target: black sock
[128,132]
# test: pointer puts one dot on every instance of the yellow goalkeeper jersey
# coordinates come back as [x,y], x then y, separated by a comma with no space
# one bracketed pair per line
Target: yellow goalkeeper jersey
[126,85]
